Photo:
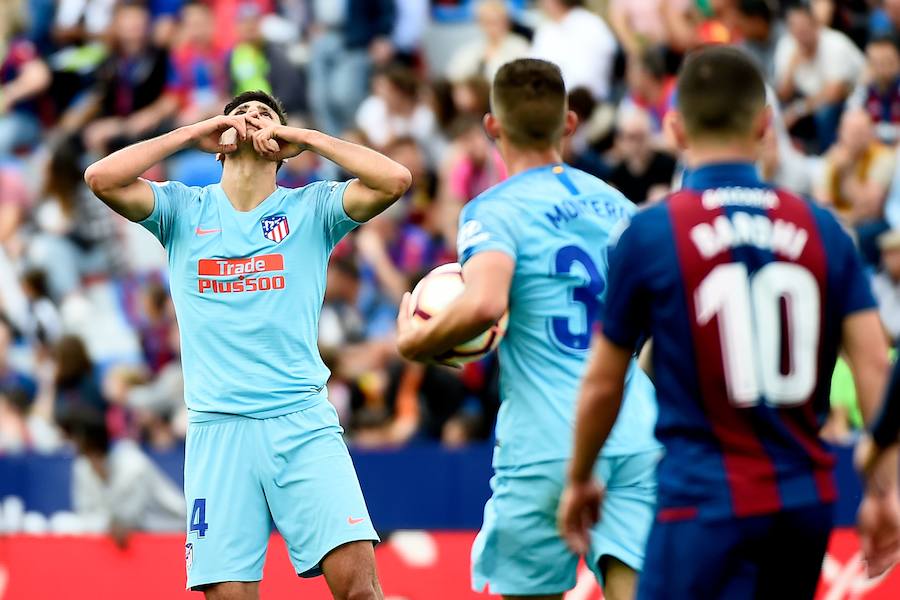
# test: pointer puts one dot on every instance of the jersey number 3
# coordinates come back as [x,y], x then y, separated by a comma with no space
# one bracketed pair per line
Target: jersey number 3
[586,295]
[754,333]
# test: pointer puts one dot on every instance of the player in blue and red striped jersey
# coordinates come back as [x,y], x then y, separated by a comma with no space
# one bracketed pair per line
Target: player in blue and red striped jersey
[748,292]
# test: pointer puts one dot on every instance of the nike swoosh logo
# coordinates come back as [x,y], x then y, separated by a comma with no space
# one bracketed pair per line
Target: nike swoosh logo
[353,521]
[199,231]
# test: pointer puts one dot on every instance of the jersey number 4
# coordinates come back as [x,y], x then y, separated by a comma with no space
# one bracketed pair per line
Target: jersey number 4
[198,518]
[760,317]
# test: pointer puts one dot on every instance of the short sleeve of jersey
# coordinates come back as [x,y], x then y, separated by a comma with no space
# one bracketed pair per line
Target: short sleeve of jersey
[852,288]
[484,226]
[329,201]
[170,198]
[626,315]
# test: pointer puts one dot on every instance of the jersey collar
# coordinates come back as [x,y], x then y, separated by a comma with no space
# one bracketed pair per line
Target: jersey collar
[728,174]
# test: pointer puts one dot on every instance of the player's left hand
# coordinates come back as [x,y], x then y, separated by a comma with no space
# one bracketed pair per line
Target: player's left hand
[405,330]
[579,510]
[273,141]
[879,530]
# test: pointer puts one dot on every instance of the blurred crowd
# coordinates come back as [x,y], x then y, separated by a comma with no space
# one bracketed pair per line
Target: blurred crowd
[88,339]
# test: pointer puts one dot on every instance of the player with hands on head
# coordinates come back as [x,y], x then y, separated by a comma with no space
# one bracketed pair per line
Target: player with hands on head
[748,293]
[247,262]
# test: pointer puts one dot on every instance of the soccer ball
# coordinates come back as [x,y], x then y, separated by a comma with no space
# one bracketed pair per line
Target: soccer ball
[432,294]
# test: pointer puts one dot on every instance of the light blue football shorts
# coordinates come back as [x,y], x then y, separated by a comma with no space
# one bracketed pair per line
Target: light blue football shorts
[519,552]
[244,475]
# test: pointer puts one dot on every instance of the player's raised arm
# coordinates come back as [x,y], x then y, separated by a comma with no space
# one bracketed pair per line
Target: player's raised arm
[117,181]
[485,297]
[379,181]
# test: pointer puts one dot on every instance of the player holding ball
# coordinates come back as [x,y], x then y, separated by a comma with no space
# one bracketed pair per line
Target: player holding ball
[534,245]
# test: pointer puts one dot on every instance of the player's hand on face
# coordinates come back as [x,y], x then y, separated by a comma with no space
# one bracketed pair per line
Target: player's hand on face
[220,134]
[579,510]
[269,139]
[879,530]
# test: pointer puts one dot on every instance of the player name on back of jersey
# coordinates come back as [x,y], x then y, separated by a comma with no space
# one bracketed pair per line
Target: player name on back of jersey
[575,207]
[239,275]
[744,228]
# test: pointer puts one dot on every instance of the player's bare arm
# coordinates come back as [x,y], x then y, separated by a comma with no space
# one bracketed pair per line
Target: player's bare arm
[116,179]
[488,276]
[879,512]
[598,406]
[379,181]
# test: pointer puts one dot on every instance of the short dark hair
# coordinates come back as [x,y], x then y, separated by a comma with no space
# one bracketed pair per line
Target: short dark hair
[760,9]
[263,98]
[258,96]
[720,91]
[401,77]
[800,7]
[529,99]
[885,40]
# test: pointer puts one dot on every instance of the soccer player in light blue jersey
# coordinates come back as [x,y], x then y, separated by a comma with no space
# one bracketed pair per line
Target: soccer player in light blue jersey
[247,263]
[535,245]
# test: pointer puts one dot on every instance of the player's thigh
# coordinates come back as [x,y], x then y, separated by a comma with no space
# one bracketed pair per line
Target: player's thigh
[627,513]
[619,580]
[232,590]
[700,560]
[791,557]
[228,523]
[350,572]
[312,488]
[518,551]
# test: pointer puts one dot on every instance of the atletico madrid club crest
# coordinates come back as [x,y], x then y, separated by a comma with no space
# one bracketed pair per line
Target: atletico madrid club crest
[275,228]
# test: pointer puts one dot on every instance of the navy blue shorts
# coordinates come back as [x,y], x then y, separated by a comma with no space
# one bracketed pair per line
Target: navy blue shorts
[771,557]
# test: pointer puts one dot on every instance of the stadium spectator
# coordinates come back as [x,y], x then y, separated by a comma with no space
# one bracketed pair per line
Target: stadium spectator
[691,24]
[579,42]
[23,77]
[116,488]
[639,24]
[395,109]
[816,68]
[81,21]
[128,102]
[227,15]
[496,46]
[155,328]
[879,94]
[858,171]
[641,172]
[760,31]
[21,428]
[76,384]
[650,88]
[10,376]
[474,165]
[409,29]
[75,233]
[886,283]
[578,150]
[15,201]
[347,39]
[45,323]
[197,82]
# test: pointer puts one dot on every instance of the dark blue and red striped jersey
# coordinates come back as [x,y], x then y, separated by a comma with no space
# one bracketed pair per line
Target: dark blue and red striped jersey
[743,289]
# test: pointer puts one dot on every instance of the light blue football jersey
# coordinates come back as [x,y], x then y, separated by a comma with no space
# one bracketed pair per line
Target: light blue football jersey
[555,222]
[248,289]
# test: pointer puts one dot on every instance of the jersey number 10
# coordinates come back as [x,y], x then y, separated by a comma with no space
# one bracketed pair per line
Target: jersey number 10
[751,330]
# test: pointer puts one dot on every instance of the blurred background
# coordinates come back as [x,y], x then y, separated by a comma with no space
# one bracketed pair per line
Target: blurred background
[92,419]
